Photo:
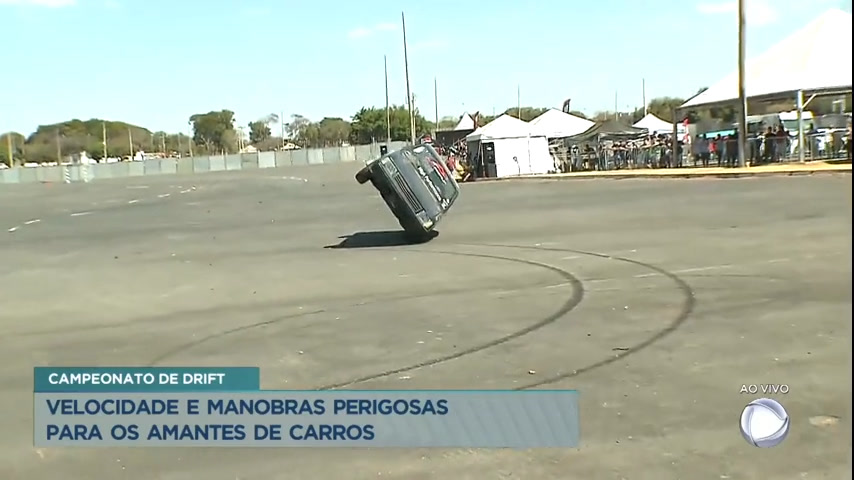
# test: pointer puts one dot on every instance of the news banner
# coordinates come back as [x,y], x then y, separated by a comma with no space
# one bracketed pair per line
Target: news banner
[226,407]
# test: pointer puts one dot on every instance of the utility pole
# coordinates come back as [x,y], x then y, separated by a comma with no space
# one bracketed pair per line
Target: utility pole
[190,136]
[9,149]
[282,127]
[387,106]
[643,86]
[163,143]
[409,97]
[104,138]
[742,96]
[436,105]
[616,110]
[130,144]
[58,148]
[518,101]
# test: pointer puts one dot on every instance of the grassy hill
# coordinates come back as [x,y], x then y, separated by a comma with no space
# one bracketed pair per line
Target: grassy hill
[50,142]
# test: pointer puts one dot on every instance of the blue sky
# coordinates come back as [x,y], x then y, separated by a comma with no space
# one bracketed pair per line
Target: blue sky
[155,62]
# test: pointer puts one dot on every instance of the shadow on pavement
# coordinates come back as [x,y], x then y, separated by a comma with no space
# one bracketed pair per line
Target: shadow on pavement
[377,239]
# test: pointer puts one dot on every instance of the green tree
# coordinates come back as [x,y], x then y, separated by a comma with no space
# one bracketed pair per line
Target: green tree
[258,132]
[296,128]
[214,131]
[333,131]
[369,125]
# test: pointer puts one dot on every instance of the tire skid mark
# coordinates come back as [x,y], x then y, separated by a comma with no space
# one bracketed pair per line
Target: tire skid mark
[688,305]
[573,301]
[181,348]
[335,306]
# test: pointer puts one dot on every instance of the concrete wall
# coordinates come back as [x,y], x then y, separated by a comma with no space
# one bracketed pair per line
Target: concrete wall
[193,165]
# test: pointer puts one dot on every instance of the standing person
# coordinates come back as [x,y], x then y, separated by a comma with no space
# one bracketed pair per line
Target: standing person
[782,149]
[848,142]
[713,148]
[696,151]
[768,143]
[720,150]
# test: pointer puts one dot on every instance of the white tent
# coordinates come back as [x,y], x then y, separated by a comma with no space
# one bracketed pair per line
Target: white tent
[557,124]
[518,147]
[465,123]
[814,58]
[655,125]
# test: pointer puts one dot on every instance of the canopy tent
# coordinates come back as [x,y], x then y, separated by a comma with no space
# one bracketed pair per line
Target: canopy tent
[466,123]
[557,124]
[508,146]
[608,130]
[655,125]
[505,126]
[816,58]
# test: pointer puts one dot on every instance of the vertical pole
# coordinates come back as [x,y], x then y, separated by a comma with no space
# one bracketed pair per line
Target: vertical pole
[130,144]
[742,96]
[518,102]
[58,148]
[412,117]
[104,138]
[436,106]
[616,115]
[9,149]
[282,127]
[674,142]
[409,98]
[643,86]
[190,137]
[801,141]
[387,106]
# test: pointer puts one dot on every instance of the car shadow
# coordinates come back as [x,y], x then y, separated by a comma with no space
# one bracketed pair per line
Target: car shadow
[378,239]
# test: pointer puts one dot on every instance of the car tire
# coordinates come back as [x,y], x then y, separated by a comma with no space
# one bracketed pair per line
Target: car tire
[363,176]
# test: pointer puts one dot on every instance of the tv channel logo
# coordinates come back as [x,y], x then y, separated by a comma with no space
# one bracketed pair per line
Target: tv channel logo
[764,423]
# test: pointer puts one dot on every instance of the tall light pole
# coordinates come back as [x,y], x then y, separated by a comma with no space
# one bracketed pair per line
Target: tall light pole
[408,91]
[387,105]
[643,87]
[104,138]
[130,144]
[742,96]
[436,105]
[9,149]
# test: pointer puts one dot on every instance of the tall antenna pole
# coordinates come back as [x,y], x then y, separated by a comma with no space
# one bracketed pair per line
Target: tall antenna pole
[130,145]
[742,97]
[58,148]
[104,138]
[190,137]
[387,105]
[9,149]
[282,127]
[408,91]
[436,104]
[643,85]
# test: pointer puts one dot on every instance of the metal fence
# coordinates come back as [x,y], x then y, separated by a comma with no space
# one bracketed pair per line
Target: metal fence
[193,165]
[633,155]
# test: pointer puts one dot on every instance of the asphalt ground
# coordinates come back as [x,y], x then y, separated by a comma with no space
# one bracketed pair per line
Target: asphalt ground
[656,299]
